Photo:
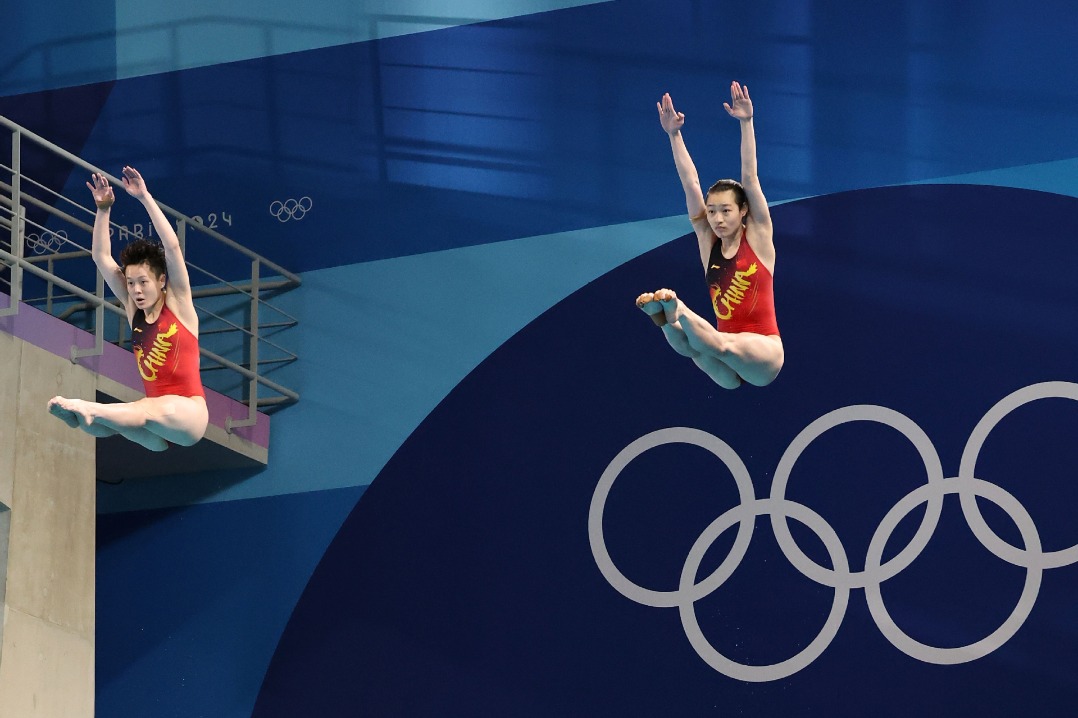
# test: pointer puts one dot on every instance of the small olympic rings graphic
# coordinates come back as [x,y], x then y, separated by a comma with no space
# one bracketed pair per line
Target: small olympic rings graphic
[1030,556]
[295,209]
[47,241]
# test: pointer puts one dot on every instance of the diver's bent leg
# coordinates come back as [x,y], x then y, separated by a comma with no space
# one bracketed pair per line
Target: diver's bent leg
[143,437]
[720,373]
[151,422]
[79,414]
[755,357]
[676,338]
[181,420]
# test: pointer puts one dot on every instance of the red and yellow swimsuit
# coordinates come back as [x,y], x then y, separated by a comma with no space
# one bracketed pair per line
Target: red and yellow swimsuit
[742,291]
[166,354]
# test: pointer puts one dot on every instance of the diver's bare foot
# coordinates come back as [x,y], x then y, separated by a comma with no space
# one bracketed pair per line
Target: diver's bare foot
[670,303]
[652,308]
[57,409]
[72,412]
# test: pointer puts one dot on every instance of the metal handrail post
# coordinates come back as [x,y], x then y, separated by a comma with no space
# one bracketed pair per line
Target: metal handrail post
[51,268]
[17,225]
[252,398]
[99,326]
[16,266]
[181,235]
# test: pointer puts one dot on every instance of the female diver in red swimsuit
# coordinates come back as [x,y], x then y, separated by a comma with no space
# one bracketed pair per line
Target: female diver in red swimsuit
[733,228]
[164,333]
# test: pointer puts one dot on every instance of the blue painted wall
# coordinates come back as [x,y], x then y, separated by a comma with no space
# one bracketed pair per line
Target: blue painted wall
[486,199]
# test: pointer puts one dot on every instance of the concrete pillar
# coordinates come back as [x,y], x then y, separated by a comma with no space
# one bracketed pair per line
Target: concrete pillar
[47,480]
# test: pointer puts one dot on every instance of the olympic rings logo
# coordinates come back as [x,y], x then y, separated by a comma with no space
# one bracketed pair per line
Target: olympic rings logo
[46,241]
[295,209]
[1030,556]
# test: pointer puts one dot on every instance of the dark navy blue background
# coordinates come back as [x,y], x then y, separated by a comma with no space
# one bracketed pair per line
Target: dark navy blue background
[463,582]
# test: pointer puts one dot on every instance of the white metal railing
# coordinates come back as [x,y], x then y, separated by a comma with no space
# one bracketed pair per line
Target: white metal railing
[52,227]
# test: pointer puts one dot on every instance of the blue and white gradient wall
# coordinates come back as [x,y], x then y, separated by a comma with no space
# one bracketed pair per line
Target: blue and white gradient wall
[488,191]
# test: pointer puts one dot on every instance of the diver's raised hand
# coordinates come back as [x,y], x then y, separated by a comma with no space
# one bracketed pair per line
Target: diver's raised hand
[740,105]
[134,184]
[102,191]
[669,118]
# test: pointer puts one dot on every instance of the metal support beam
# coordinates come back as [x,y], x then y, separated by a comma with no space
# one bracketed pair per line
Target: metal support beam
[18,218]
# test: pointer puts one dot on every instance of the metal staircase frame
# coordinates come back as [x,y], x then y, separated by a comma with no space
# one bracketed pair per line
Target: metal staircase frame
[267,279]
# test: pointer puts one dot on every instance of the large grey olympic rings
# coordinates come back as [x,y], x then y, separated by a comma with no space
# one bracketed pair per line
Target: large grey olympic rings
[840,577]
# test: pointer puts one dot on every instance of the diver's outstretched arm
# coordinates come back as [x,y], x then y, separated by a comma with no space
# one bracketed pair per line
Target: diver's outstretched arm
[672,121]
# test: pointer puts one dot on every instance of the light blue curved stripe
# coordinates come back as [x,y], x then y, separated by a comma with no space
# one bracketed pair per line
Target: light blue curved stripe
[155,36]
[1058,177]
[382,343]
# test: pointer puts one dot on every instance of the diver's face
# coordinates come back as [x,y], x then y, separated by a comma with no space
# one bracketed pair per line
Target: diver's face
[723,214]
[143,288]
